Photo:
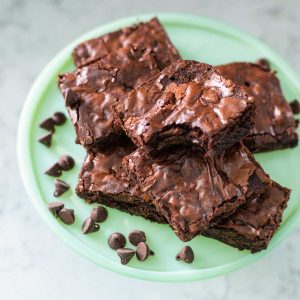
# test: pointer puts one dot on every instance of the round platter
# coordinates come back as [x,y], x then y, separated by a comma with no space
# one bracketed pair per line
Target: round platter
[196,38]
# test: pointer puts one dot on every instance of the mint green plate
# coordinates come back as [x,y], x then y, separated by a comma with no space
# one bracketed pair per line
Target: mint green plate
[196,38]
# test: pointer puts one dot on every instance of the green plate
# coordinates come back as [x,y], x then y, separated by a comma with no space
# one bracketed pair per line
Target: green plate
[196,38]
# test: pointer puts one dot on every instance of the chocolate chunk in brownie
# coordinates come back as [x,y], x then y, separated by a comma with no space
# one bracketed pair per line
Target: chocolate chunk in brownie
[90,91]
[187,103]
[151,34]
[253,225]
[103,179]
[274,123]
[193,192]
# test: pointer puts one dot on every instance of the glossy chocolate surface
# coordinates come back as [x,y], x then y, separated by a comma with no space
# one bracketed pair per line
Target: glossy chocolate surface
[192,191]
[274,123]
[102,172]
[257,216]
[253,225]
[149,34]
[189,101]
[90,91]
[103,179]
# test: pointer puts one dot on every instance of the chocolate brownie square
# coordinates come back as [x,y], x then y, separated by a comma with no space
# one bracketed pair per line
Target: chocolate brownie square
[90,91]
[102,179]
[193,192]
[150,34]
[187,103]
[274,123]
[253,225]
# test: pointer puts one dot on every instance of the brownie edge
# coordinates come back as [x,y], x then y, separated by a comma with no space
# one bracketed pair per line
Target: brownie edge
[188,103]
[274,124]
[193,192]
[252,226]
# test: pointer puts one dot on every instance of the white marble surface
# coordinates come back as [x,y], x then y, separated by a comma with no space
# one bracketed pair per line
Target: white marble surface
[34,263]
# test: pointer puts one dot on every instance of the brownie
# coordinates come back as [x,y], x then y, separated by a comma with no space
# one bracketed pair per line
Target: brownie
[149,34]
[90,91]
[187,103]
[193,192]
[274,123]
[252,226]
[102,179]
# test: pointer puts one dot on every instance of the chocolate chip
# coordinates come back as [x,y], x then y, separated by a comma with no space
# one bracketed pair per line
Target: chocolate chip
[59,118]
[66,162]
[60,187]
[186,254]
[136,236]
[54,171]
[99,214]
[89,226]
[55,207]
[67,216]
[264,64]
[116,241]
[295,106]
[142,251]
[71,98]
[125,254]
[48,124]
[46,140]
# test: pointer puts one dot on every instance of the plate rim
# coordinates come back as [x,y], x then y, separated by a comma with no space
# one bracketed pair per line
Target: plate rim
[24,156]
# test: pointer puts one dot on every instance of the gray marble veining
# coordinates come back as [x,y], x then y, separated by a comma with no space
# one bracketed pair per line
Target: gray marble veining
[34,263]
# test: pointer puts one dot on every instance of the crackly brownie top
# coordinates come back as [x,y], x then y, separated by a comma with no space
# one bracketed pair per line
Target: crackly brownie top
[259,217]
[149,34]
[190,190]
[103,172]
[187,93]
[90,91]
[273,114]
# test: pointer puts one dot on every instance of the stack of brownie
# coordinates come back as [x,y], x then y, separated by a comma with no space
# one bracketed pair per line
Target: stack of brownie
[170,139]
